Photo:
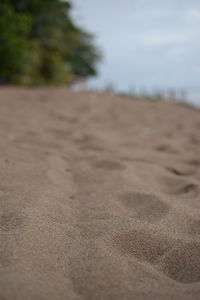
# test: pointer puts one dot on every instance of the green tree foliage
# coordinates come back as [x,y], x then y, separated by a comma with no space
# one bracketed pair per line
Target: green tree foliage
[40,44]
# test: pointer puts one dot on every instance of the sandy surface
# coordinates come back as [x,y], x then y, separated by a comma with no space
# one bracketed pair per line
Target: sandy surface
[100,197]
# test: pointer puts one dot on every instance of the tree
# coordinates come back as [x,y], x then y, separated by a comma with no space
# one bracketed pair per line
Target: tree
[41,44]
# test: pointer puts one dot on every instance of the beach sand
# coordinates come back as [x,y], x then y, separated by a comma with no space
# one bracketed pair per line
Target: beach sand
[100,197]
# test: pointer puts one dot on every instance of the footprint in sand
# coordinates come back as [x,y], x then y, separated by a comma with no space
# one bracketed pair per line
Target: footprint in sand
[189,227]
[180,262]
[11,220]
[179,172]
[194,140]
[110,165]
[194,162]
[142,244]
[92,147]
[89,142]
[84,139]
[179,187]
[167,149]
[193,228]
[145,207]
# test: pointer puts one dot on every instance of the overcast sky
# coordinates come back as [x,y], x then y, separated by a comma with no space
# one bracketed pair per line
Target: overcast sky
[146,43]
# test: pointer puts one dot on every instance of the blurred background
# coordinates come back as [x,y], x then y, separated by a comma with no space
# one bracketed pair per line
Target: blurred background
[141,47]
[150,46]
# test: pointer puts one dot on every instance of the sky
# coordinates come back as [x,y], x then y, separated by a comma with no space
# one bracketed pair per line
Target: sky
[146,44]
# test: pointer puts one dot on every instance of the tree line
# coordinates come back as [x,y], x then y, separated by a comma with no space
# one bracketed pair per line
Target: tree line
[40,44]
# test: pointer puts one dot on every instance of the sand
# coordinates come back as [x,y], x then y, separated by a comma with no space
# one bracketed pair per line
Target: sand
[100,197]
